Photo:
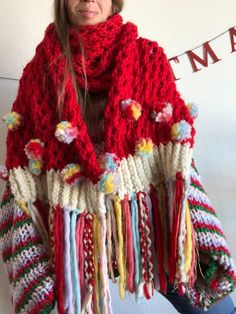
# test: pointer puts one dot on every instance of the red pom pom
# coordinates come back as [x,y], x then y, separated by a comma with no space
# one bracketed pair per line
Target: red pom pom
[34,149]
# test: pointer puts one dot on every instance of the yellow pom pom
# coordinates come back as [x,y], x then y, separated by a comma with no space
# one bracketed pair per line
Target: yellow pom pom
[13,120]
[109,182]
[144,147]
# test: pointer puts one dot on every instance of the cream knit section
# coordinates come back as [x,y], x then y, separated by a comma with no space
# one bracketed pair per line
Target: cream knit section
[136,173]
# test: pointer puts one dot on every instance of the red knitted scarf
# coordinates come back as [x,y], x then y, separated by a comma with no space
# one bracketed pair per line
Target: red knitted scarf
[103,44]
[100,43]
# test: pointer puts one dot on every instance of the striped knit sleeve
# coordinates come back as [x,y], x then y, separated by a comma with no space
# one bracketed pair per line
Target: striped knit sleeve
[216,273]
[26,259]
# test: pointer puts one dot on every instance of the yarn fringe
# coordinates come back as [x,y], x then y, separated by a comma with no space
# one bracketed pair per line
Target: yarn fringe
[90,248]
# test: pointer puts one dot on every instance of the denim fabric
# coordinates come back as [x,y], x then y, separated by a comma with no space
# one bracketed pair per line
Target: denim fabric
[182,305]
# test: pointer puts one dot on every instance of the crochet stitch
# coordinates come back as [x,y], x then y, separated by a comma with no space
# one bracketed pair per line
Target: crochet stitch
[138,209]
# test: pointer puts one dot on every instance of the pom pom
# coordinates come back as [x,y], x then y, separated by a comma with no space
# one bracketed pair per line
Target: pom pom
[109,162]
[72,174]
[35,166]
[3,172]
[131,109]
[109,182]
[163,116]
[34,149]
[181,131]
[65,132]
[13,120]
[193,109]
[144,147]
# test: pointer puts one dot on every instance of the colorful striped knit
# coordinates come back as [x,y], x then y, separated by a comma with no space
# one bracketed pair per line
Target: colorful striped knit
[216,273]
[26,260]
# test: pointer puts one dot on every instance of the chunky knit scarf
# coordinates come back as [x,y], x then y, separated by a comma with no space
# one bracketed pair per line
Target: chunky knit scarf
[138,210]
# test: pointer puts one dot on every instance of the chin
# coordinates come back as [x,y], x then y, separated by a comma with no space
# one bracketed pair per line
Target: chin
[83,23]
[92,21]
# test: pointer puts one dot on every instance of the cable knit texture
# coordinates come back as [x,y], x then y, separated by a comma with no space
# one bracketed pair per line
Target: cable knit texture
[117,197]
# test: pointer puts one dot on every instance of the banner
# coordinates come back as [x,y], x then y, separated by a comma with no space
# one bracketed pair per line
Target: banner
[207,51]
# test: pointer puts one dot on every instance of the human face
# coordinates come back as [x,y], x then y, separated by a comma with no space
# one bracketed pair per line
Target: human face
[88,12]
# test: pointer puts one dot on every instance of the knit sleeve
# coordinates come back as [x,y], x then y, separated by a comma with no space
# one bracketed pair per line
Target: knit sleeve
[216,268]
[25,209]
[25,257]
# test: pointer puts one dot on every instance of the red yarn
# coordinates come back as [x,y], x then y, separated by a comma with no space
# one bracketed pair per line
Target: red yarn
[129,243]
[158,238]
[179,193]
[180,289]
[80,253]
[143,244]
[117,60]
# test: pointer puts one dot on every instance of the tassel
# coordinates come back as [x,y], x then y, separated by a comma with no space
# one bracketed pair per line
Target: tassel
[96,255]
[89,263]
[114,234]
[109,241]
[188,245]
[181,240]
[155,284]
[143,244]
[149,245]
[68,300]
[124,230]
[80,253]
[129,245]
[120,259]
[59,261]
[149,234]
[158,238]
[179,194]
[147,238]
[88,304]
[106,300]
[136,243]
[74,268]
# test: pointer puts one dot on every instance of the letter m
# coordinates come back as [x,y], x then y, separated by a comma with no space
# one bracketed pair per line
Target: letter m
[207,50]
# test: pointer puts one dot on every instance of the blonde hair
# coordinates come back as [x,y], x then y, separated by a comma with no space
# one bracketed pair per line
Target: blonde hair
[62,24]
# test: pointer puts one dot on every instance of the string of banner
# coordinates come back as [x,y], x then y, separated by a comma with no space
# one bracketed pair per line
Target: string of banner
[193,58]
[207,52]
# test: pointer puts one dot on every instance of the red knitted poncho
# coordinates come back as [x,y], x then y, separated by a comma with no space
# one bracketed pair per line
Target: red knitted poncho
[129,209]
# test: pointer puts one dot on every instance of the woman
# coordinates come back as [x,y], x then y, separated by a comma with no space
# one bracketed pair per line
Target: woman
[102,183]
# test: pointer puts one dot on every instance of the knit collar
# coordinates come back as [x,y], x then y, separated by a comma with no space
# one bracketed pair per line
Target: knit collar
[100,44]
[96,38]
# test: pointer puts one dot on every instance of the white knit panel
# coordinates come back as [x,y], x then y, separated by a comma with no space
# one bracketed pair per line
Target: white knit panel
[136,173]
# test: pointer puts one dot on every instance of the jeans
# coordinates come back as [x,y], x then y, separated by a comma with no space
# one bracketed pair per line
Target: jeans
[182,305]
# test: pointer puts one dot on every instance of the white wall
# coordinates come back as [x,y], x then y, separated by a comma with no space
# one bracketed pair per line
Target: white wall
[177,26]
